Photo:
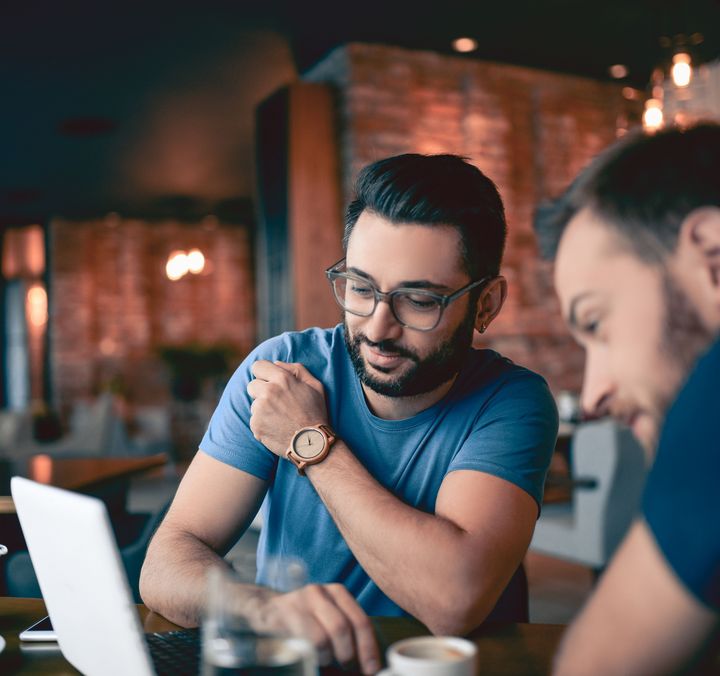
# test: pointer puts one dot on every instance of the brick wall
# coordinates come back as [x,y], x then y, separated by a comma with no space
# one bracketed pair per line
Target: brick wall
[112,305]
[528,130]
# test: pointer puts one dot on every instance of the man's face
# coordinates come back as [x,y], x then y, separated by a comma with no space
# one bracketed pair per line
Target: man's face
[640,332]
[391,359]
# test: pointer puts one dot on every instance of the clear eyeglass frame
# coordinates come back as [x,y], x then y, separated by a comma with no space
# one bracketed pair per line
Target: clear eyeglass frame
[335,273]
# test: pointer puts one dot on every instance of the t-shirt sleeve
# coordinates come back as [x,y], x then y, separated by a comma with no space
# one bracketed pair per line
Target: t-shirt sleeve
[228,437]
[681,503]
[514,435]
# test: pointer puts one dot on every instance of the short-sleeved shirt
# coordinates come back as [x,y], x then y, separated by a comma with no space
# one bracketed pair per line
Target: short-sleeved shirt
[497,418]
[681,504]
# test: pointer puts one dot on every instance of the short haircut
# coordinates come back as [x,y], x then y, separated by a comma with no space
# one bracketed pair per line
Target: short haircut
[644,186]
[436,190]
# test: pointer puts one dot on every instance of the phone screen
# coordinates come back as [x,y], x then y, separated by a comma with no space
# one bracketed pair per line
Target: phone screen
[42,630]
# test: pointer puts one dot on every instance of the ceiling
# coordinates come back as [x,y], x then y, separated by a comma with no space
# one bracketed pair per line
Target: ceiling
[146,108]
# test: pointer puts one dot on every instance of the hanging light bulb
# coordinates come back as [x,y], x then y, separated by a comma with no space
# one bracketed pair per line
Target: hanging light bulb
[681,70]
[177,265]
[653,115]
[196,261]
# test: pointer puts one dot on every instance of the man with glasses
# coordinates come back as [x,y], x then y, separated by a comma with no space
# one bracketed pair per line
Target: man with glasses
[403,467]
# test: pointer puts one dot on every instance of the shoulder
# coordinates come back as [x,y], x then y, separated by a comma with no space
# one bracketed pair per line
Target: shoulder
[499,377]
[310,344]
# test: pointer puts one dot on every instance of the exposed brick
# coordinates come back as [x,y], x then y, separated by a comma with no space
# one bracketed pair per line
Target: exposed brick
[112,306]
[529,130]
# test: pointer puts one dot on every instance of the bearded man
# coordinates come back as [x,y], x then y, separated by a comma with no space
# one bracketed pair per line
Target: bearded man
[402,466]
[637,241]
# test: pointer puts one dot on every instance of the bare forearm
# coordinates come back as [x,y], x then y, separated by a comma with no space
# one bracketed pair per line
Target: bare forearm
[172,581]
[420,560]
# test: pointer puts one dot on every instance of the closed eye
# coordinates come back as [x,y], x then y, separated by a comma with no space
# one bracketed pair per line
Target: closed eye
[419,302]
[360,289]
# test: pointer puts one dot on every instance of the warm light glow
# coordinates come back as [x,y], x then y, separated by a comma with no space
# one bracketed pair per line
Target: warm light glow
[177,265]
[653,115]
[23,252]
[630,93]
[618,71]
[465,45]
[681,70]
[37,305]
[196,261]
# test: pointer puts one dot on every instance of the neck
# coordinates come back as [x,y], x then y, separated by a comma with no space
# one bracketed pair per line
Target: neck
[398,408]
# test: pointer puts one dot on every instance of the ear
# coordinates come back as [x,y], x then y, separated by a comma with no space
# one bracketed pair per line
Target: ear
[700,240]
[490,302]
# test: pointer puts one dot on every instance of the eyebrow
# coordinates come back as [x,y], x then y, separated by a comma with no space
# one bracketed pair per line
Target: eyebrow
[572,313]
[409,284]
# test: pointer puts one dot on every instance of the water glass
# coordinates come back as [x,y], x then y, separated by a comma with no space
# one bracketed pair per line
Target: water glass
[230,646]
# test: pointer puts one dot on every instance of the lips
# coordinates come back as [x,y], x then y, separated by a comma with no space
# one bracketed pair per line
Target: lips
[383,359]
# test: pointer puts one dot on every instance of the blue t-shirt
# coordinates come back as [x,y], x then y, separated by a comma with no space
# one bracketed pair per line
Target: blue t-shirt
[681,504]
[497,418]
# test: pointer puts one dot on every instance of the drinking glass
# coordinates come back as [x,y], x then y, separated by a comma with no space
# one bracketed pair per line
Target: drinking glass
[230,646]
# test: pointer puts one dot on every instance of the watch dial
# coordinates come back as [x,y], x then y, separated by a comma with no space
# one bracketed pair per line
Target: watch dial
[309,443]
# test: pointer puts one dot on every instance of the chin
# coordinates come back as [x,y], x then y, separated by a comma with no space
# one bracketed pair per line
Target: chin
[646,431]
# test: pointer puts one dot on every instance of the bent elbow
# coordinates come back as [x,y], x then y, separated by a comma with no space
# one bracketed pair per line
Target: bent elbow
[457,614]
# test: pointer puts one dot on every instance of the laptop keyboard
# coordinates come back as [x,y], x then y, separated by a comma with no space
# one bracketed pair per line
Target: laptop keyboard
[175,653]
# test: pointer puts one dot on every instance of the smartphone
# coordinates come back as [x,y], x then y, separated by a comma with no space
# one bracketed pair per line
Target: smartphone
[42,630]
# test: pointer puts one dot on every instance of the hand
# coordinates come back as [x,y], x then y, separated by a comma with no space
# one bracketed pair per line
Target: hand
[326,615]
[286,397]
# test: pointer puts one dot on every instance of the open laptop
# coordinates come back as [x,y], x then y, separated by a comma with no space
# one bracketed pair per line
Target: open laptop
[86,592]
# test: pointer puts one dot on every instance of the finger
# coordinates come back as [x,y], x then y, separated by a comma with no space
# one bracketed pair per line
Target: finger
[264,369]
[334,623]
[366,645]
[255,388]
[298,619]
[302,374]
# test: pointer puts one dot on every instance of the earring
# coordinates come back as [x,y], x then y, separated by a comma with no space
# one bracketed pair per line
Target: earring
[482,328]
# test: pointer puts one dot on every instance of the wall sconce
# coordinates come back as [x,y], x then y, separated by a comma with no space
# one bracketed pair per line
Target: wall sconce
[23,252]
[181,263]
[37,305]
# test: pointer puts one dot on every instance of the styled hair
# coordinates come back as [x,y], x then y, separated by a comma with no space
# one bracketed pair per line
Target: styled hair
[436,190]
[644,186]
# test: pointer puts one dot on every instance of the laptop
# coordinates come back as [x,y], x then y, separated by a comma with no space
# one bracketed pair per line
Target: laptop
[86,592]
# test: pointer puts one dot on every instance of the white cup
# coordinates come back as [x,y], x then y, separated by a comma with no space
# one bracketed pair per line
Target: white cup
[432,656]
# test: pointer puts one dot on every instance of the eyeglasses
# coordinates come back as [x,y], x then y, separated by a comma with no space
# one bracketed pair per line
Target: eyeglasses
[413,308]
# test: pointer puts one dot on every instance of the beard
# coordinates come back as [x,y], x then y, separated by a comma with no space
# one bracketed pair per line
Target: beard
[684,338]
[425,374]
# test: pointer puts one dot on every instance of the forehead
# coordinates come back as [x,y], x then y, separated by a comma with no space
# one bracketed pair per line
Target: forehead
[593,256]
[405,251]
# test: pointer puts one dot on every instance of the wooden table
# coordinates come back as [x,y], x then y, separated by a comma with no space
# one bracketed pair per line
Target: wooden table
[82,474]
[517,649]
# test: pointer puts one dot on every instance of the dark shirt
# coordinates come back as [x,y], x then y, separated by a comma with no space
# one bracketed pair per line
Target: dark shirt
[682,496]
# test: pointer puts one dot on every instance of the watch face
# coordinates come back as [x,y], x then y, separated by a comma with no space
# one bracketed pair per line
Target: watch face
[309,443]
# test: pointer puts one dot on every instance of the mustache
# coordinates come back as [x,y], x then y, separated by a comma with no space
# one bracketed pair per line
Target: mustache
[385,346]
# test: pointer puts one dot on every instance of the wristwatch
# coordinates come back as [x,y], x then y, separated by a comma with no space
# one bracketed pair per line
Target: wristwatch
[309,446]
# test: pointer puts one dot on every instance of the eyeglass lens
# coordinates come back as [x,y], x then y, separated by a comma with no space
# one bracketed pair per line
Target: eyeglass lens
[416,310]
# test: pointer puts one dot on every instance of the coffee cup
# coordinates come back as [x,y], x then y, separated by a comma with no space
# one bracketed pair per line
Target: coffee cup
[432,656]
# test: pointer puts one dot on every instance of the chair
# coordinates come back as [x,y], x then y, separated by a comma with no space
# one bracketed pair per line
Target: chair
[610,468]
[513,604]
[22,582]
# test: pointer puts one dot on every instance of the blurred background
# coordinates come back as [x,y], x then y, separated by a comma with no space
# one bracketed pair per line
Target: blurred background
[173,177]
[132,134]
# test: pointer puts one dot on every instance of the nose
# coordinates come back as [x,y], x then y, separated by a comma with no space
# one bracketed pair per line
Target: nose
[597,383]
[382,325]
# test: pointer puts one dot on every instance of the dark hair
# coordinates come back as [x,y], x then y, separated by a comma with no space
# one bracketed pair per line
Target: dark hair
[436,190]
[643,186]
